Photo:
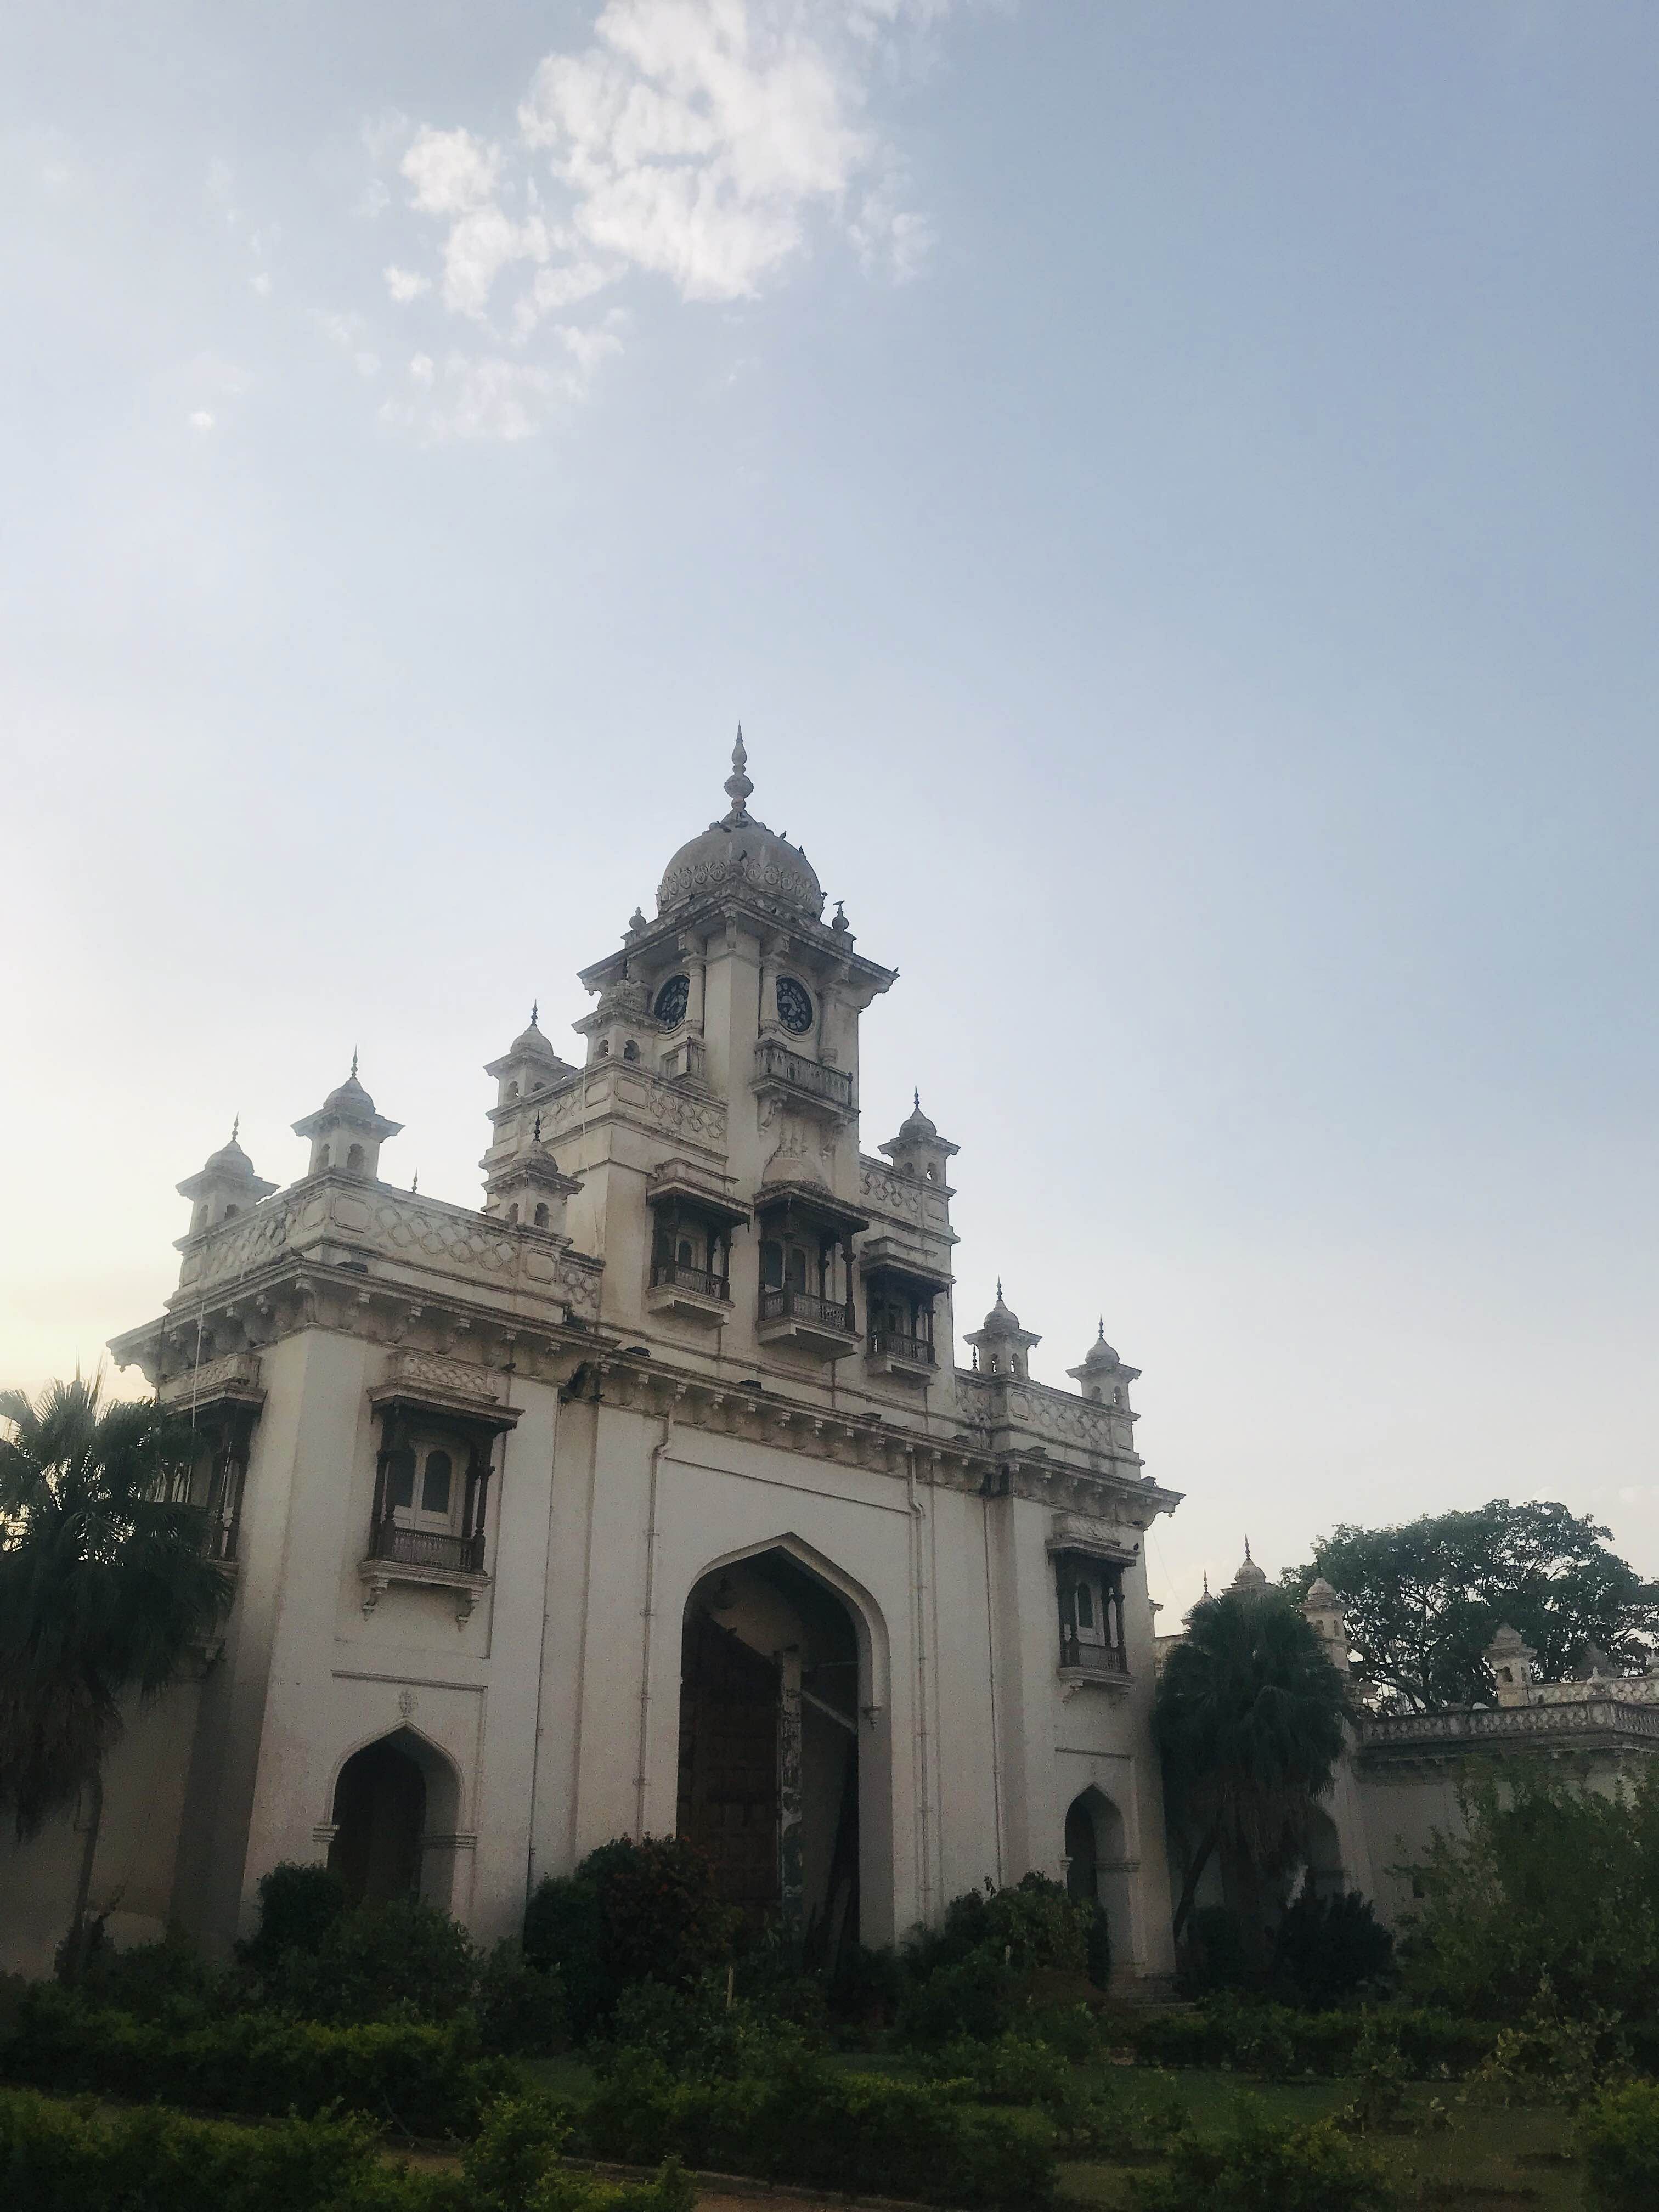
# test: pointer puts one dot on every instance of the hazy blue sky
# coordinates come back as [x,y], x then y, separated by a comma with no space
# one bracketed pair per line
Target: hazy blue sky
[1170,491]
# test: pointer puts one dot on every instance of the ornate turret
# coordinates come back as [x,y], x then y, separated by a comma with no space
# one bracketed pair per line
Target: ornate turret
[346,1132]
[1249,1580]
[739,849]
[919,1149]
[226,1185]
[1510,1659]
[1001,1343]
[1324,1611]
[1102,1376]
[529,1064]
[530,1191]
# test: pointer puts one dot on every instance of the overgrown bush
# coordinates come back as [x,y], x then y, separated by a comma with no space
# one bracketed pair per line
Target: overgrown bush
[1617,2139]
[375,1962]
[631,1912]
[972,1997]
[520,2009]
[427,2080]
[964,1978]
[695,2034]
[1263,2166]
[169,1981]
[1330,1949]
[806,2122]
[1434,2044]
[513,2165]
[1509,1902]
[58,2157]
[1546,2058]
[299,1903]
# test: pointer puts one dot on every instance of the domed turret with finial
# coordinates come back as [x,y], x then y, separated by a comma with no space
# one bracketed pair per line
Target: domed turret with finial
[739,849]
[346,1132]
[224,1186]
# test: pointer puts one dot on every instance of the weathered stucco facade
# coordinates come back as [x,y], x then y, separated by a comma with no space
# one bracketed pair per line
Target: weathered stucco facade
[653,1495]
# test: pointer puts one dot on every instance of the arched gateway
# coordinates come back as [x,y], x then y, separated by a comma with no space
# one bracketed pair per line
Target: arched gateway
[770,1745]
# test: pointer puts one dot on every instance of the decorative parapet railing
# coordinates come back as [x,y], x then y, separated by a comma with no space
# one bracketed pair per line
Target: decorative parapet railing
[670,1274]
[237,1371]
[809,1078]
[1049,1417]
[1491,1728]
[1622,1689]
[1076,1656]
[803,1305]
[895,1344]
[623,1089]
[454,1377]
[399,1226]
[425,1547]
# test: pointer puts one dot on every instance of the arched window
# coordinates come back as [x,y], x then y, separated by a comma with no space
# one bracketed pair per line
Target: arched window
[630,1050]
[604,1052]
[231,1211]
[400,1480]
[543,1216]
[512,1090]
[797,1274]
[771,1265]
[436,1485]
[513,1213]
[355,1160]
[682,1257]
[1085,1606]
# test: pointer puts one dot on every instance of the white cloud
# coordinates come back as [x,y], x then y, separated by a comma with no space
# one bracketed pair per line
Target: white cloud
[261,285]
[698,142]
[201,420]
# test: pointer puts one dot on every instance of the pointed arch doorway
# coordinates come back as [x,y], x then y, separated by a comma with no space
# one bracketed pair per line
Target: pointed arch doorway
[769,1747]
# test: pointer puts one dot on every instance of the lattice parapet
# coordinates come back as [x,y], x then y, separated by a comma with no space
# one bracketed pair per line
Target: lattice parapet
[399,1226]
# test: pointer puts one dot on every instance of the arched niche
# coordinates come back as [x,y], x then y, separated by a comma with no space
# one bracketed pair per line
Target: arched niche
[395,1811]
[1098,1867]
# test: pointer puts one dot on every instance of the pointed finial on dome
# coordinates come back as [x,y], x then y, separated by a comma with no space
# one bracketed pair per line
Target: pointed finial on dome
[236,1128]
[915,1098]
[354,1063]
[998,1289]
[1248,1561]
[1102,1339]
[738,786]
[535,1013]
[1206,1582]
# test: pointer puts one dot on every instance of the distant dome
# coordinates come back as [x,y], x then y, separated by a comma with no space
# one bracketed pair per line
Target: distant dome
[1002,1320]
[530,1042]
[1100,1354]
[231,1158]
[1249,1576]
[739,849]
[348,1097]
[1320,1592]
[917,1124]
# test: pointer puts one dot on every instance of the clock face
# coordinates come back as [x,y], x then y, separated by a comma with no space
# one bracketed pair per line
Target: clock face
[794,1004]
[672,999]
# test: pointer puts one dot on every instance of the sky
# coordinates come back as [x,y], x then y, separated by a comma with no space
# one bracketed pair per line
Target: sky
[1170,491]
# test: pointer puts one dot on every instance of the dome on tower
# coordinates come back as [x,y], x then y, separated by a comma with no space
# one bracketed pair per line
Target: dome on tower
[917,1124]
[739,849]
[350,1096]
[1100,1354]
[1002,1320]
[530,1042]
[1249,1576]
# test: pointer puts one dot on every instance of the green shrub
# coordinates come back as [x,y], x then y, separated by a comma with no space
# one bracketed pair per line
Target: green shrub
[1035,1923]
[428,2080]
[1329,1949]
[520,2009]
[631,1912]
[1013,2069]
[1264,2166]
[1617,2139]
[1224,2032]
[867,1986]
[1545,2058]
[512,2166]
[806,2122]
[169,1981]
[58,2158]
[972,1997]
[298,1906]
[1213,1955]
[404,1959]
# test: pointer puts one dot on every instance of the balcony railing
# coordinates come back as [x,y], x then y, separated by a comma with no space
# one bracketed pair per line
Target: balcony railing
[426,1547]
[775,1063]
[801,1305]
[671,1274]
[897,1345]
[1091,1658]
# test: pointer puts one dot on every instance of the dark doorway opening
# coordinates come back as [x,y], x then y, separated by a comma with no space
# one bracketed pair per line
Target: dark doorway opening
[379,1818]
[1082,1854]
[769,1746]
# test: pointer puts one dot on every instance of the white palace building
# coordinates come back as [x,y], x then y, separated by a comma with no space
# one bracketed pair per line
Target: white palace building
[656,1495]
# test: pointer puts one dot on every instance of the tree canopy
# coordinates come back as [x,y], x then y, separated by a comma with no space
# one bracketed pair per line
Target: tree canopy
[1424,1600]
[1249,1717]
[104,1593]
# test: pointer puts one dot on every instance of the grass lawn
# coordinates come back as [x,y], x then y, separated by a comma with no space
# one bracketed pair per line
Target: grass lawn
[1497,2159]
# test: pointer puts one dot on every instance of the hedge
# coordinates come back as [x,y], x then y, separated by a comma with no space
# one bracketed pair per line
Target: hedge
[56,2157]
[425,2080]
[1617,2139]
[809,2124]
[1275,2040]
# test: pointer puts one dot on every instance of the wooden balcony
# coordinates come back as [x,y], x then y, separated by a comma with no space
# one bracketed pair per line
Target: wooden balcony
[423,1557]
[894,1352]
[823,1327]
[1104,1664]
[692,1293]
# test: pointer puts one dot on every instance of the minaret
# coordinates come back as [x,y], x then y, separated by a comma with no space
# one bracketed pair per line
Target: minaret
[1323,1610]
[227,1185]
[1001,1343]
[919,1150]
[529,1191]
[1510,1659]
[346,1133]
[1102,1376]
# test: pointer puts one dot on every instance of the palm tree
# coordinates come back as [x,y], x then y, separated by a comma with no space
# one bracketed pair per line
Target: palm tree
[1249,1715]
[104,1593]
